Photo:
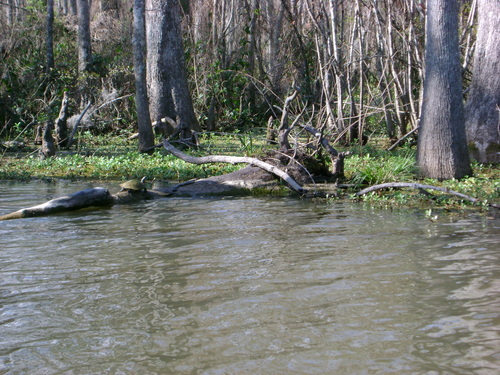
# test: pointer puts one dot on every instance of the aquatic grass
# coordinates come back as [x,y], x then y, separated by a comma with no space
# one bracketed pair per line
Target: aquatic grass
[128,165]
[371,170]
[236,143]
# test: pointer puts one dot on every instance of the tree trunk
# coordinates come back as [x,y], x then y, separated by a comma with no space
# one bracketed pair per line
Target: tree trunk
[442,145]
[160,100]
[146,137]
[84,44]
[167,81]
[50,37]
[483,104]
[73,7]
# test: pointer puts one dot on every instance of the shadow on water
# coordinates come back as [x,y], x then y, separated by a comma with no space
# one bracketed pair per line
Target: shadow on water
[245,286]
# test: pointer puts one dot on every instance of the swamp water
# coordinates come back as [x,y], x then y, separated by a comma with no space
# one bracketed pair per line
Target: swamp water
[245,286]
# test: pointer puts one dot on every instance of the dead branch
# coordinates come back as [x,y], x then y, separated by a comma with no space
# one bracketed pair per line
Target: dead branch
[336,157]
[283,129]
[61,122]
[402,139]
[111,102]
[77,123]
[420,186]
[235,160]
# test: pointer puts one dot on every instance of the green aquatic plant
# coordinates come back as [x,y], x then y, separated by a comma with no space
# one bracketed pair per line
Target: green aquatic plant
[370,170]
[128,165]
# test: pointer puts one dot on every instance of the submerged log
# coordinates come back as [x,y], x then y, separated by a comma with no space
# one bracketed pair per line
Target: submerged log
[93,197]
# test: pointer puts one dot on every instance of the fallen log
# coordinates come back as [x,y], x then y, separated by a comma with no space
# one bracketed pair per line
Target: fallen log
[421,186]
[235,160]
[93,197]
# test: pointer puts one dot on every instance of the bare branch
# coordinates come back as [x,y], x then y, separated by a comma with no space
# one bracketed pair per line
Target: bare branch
[235,160]
[77,123]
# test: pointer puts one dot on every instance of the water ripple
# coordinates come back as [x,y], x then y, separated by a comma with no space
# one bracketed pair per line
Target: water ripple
[246,286]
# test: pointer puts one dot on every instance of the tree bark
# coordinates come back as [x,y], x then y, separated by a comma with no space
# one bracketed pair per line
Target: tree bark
[337,158]
[167,80]
[442,145]
[160,100]
[483,103]
[146,136]
[84,41]
[50,37]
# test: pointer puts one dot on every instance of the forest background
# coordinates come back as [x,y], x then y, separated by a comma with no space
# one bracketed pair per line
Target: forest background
[358,66]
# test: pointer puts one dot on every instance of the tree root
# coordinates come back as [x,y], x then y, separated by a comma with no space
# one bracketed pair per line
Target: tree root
[423,187]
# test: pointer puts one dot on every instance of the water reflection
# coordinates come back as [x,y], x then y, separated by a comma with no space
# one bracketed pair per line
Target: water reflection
[246,286]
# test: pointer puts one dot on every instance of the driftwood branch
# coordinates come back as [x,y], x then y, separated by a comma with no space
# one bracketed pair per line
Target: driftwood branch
[421,186]
[235,160]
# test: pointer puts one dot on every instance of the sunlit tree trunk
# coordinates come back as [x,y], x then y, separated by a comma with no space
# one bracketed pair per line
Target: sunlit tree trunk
[275,60]
[167,81]
[442,147]
[161,104]
[50,37]
[84,44]
[146,136]
[482,110]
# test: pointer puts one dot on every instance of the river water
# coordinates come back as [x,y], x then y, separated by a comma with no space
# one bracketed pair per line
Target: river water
[245,286]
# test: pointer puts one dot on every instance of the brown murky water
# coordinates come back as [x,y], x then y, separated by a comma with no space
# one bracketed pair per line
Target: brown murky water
[245,286]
